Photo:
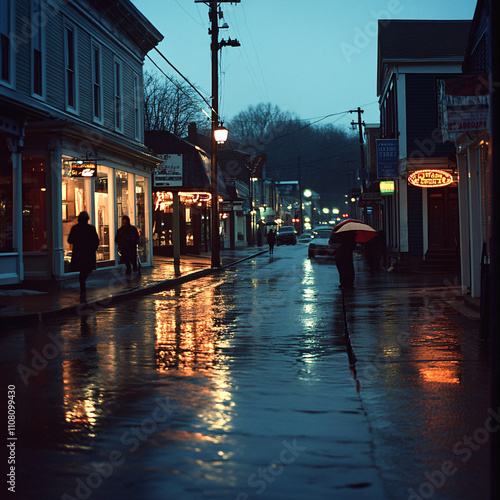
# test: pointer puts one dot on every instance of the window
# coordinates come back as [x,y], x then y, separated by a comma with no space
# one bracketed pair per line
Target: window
[124,195]
[96,83]
[37,44]
[104,210]
[6,198]
[118,97]
[76,196]
[6,42]
[70,68]
[140,219]
[138,125]
[34,204]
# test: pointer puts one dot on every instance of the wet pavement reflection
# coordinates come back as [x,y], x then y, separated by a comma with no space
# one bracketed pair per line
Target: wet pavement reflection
[253,383]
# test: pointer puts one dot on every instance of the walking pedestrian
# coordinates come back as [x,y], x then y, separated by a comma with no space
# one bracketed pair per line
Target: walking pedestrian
[84,240]
[344,244]
[127,238]
[271,240]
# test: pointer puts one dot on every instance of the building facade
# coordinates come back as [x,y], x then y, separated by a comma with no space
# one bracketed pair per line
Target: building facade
[71,131]
[422,217]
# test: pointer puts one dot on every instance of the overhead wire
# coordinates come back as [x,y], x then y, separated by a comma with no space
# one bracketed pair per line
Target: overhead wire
[167,61]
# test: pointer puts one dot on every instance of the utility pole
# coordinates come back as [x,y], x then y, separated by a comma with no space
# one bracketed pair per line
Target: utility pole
[214,13]
[360,125]
[301,214]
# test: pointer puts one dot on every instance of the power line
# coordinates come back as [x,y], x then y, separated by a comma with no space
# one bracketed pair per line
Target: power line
[166,60]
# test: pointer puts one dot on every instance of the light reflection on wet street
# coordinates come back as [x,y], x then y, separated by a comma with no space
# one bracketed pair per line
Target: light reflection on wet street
[238,385]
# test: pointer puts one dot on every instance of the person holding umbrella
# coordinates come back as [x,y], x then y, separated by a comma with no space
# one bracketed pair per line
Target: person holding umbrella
[344,238]
[344,244]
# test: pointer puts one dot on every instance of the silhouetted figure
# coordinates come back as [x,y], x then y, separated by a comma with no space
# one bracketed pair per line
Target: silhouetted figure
[127,238]
[83,237]
[345,243]
[271,240]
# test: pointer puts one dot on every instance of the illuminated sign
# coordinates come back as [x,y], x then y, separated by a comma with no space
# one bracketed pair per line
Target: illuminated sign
[164,199]
[83,169]
[386,187]
[387,158]
[430,178]
[169,172]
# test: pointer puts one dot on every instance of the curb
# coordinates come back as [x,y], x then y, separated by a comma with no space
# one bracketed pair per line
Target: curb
[102,302]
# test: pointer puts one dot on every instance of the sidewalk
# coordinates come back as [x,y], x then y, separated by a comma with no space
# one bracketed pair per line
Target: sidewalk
[20,306]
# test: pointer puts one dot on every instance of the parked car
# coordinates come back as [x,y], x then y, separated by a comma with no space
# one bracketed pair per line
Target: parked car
[305,237]
[319,247]
[286,236]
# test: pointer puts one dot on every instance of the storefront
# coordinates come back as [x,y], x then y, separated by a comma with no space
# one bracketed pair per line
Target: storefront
[107,196]
[194,221]
[45,186]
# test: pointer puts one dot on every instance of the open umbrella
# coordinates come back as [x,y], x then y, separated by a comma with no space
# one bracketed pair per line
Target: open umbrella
[364,232]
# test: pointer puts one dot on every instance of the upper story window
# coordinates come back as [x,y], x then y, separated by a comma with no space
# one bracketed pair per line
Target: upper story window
[389,113]
[118,96]
[6,41]
[71,77]
[138,123]
[37,35]
[97,102]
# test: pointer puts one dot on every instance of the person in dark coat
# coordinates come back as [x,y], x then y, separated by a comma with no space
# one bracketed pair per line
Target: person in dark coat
[84,240]
[345,244]
[271,240]
[127,238]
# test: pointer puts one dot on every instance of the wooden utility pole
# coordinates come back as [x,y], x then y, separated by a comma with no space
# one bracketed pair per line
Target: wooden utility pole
[213,14]
[360,125]
[215,122]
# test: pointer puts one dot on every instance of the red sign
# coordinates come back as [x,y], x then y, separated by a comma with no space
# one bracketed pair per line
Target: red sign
[257,164]
[430,178]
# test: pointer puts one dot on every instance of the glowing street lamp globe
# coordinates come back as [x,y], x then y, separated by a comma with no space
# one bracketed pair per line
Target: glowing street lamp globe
[220,135]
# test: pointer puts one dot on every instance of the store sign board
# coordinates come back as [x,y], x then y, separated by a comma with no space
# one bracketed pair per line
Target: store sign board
[169,172]
[430,178]
[386,187]
[83,169]
[387,158]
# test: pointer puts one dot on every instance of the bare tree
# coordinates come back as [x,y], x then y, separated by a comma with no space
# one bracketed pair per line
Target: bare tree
[170,105]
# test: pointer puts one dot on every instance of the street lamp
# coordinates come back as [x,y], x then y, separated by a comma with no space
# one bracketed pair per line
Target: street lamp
[220,135]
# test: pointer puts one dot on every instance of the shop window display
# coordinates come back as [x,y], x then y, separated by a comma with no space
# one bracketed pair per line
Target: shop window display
[104,214]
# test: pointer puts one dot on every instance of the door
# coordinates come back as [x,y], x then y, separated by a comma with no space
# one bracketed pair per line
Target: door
[443,221]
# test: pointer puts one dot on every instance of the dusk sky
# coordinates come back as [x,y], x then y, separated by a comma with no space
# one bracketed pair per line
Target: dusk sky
[313,59]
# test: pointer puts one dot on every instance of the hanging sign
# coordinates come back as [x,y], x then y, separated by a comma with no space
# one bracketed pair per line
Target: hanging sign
[386,187]
[83,169]
[169,172]
[430,178]
[387,158]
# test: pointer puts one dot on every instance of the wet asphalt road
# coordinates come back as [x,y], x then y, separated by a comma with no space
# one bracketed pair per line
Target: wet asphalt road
[251,384]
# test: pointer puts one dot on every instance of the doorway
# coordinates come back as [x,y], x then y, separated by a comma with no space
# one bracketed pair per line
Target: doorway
[443,222]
